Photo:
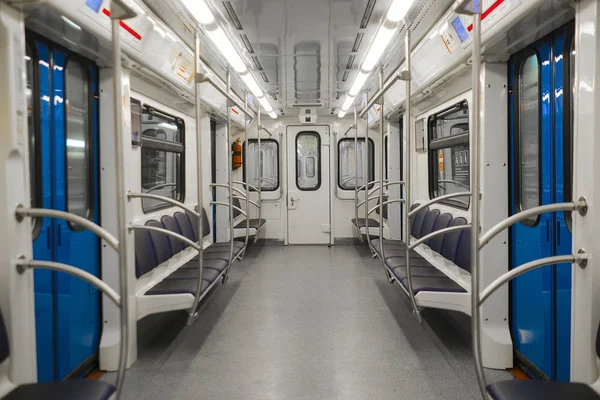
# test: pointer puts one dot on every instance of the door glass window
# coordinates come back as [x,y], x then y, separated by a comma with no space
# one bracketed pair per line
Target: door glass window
[78,139]
[34,167]
[350,173]
[163,153]
[308,161]
[449,163]
[529,134]
[568,141]
[269,168]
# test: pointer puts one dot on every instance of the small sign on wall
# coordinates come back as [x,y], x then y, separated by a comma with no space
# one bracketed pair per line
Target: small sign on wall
[420,143]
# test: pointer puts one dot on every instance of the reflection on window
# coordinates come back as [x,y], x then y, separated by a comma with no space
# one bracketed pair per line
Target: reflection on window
[162,157]
[350,173]
[449,158]
[269,169]
[308,161]
[78,140]
[529,134]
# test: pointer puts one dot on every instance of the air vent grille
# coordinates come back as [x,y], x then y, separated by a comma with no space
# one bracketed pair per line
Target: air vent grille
[247,43]
[367,15]
[357,42]
[233,16]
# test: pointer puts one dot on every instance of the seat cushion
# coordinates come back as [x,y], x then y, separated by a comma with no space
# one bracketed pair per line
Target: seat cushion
[396,262]
[418,271]
[547,390]
[177,286]
[218,264]
[361,223]
[215,254]
[433,284]
[254,224]
[208,274]
[237,246]
[63,390]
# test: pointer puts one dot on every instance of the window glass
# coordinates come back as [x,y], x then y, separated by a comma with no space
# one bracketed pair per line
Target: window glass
[78,140]
[269,169]
[34,167]
[568,142]
[449,157]
[136,122]
[162,158]
[308,161]
[348,175]
[529,134]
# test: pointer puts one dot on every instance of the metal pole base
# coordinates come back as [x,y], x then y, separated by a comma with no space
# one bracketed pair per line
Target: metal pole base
[418,316]
[225,278]
[192,318]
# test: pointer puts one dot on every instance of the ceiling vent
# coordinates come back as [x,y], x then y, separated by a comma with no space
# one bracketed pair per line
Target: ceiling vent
[308,116]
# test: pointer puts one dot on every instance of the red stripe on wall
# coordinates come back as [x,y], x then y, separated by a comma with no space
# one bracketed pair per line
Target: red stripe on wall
[487,12]
[124,26]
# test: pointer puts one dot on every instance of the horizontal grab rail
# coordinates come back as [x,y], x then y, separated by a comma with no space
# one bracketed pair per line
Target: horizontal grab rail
[22,265]
[238,191]
[580,206]
[255,204]
[393,201]
[371,183]
[222,203]
[437,200]
[244,184]
[363,202]
[22,212]
[169,200]
[530,266]
[438,233]
[167,232]
[377,207]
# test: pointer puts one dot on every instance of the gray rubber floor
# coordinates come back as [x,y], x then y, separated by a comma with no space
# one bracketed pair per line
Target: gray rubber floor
[304,322]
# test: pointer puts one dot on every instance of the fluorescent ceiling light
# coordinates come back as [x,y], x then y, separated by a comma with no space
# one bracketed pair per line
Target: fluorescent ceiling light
[273,114]
[348,103]
[265,104]
[380,43]
[222,42]
[399,9]
[252,85]
[342,114]
[359,81]
[199,11]
[68,21]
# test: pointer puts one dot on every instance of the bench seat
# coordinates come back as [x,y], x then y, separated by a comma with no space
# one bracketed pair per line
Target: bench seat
[178,286]
[536,390]
[373,223]
[63,390]
[433,284]
[255,223]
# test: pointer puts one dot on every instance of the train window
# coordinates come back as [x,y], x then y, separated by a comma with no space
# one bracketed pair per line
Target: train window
[349,173]
[34,163]
[163,161]
[449,163]
[308,161]
[269,169]
[136,122]
[529,135]
[569,129]
[385,155]
[78,135]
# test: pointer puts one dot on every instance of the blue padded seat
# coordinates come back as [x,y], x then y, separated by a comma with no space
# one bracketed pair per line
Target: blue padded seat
[428,223]
[361,223]
[145,259]
[216,264]
[62,390]
[254,224]
[397,262]
[185,226]
[541,390]
[441,222]
[208,274]
[463,255]
[160,242]
[178,286]
[171,224]
[417,271]
[433,284]
[451,240]
[417,222]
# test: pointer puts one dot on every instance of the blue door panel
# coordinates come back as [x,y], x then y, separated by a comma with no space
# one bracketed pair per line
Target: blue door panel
[541,300]
[67,309]
[42,244]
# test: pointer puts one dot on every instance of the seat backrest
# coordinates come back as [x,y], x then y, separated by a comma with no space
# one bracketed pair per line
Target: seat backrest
[440,223]
[463,255]
[452,240]
[162,246]
[4,345]
[236,202]
[145,258]
[418,222]
[185,225]
[193,223]
[172,225]
[205,224]
[385,207]
[428,222]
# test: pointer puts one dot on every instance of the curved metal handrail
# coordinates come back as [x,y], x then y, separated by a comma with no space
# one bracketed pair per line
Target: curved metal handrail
[239,192]
[23,265]
[21,212]
[255,204]
[244,184]
[580,205]
[363,202]
[394,201]
[437,200]
[438,233]
[167,232]
[523,269]
[132,195]
[457,183]
[371,183]
[161,186]
[222,203]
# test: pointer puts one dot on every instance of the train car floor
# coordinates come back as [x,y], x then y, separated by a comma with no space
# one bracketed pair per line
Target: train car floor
[304,322]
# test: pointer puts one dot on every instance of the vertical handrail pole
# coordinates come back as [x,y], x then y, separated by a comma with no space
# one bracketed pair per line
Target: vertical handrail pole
[247,180]
[381,171]
[475,200]
[198,110]
[229,177]
[121,191]
[355,167]
[260,180]
[408,178]
[367,176]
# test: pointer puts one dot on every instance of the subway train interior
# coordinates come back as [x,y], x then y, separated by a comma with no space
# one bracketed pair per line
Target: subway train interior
[299,199]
